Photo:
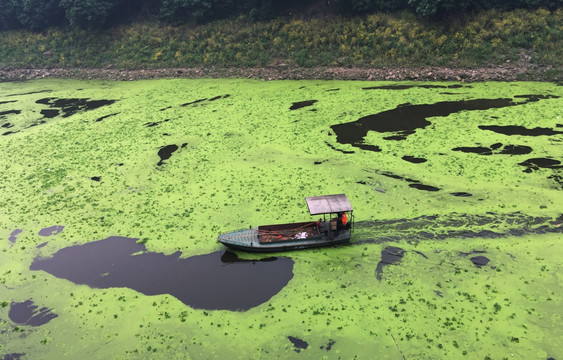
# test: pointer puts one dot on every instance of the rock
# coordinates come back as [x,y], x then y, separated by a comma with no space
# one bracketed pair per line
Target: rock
[48,54]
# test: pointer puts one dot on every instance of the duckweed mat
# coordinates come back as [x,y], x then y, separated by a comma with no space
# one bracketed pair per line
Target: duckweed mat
[113,194]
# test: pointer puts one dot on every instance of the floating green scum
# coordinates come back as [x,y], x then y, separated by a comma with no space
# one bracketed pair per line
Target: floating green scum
[113,194]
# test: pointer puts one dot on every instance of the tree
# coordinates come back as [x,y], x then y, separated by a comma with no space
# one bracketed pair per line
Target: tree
[182,10]
[39,14]
[9,9]
[363,6]
[88,13]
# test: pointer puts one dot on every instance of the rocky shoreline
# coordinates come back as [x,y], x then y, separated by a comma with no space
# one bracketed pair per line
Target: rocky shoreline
[505,72]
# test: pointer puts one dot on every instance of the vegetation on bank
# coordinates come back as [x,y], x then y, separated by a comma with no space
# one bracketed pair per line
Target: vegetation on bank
[94,14]
[398,39]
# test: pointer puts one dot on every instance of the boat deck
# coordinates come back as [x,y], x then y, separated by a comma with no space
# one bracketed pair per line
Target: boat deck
[288,232]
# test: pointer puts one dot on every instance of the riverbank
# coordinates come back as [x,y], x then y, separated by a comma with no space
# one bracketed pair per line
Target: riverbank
[491,45]
[506,72]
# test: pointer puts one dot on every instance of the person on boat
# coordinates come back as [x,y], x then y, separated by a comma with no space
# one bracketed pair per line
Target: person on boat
[341,220]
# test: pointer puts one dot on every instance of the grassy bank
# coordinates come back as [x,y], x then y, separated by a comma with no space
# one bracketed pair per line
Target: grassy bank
[403,39]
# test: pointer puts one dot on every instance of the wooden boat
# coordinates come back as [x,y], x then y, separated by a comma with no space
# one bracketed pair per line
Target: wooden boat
[303,235]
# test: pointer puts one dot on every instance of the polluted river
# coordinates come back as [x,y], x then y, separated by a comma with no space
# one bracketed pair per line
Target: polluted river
[113,194]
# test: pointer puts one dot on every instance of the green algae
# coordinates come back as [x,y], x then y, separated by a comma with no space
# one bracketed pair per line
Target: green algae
[249,160]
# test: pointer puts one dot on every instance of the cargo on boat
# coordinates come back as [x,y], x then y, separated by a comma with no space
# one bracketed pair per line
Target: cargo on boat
[336,229]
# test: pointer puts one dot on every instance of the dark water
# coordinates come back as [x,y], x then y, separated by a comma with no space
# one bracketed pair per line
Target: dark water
[415,184]
[193,102]
[462,194]
[105,117]
[339,150]
[165,153]
[328,346]
[479,261]
[26,313]
[302,104]
[14,356]
[520,130]
[424,187]
[496,149]
[155,123]
[13,235]
[414,160]
[219,280]
[31,92]
[8,112]
[9,133]
[537,163]
[7,102]
[40,122]
[405,87]
[205,99]
[298,343]
[406,119]
[389,256]
[71,106]
[51,230]
[219,97]
[50,113]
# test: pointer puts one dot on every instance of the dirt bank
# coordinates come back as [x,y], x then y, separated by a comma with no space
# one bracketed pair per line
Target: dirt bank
[506,72]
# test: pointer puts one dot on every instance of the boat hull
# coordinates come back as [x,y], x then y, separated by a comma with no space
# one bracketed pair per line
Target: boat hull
[249,240]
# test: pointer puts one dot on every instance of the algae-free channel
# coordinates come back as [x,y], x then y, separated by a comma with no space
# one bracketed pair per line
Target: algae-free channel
[456,188]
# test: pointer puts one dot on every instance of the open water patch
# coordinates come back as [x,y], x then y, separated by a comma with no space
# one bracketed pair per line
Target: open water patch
[154,123]
[302,104]
[415,184]
[3,114]
[14,356]
[342,151]
[537,163]
[204,99]
[50,113]
[461,194]
[406,87]
[105,117]
[520,130]
[389,255]
[479,261]
[298,344]
[215,281]
[166,152]
[27,313]
[70,106]
[51,230]
[328,346]
[497,148]
[7,102]
[14,235]
[414,160]
[406,119]
[30,93]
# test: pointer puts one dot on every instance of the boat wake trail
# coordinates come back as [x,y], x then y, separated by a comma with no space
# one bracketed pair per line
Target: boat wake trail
[454,225]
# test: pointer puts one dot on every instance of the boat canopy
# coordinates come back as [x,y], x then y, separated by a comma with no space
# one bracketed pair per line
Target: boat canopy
[328,204]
